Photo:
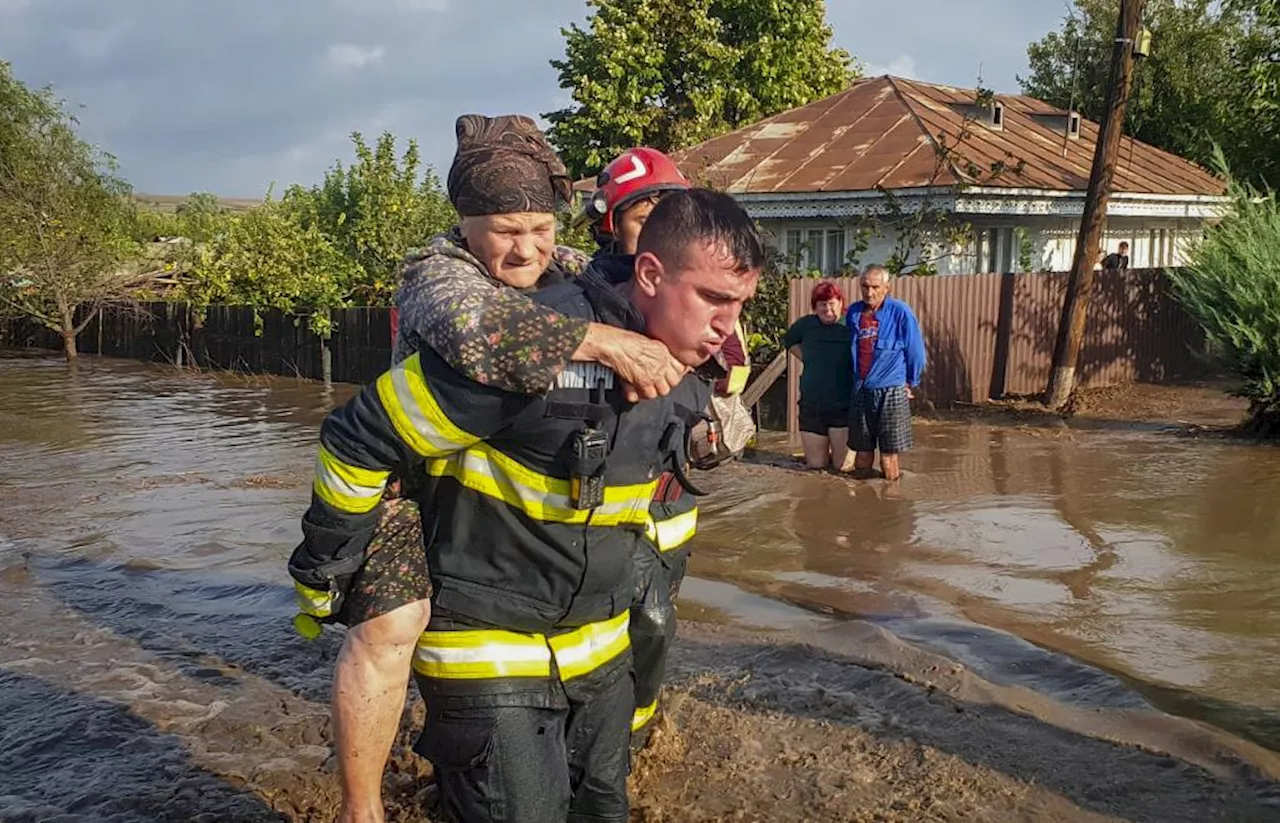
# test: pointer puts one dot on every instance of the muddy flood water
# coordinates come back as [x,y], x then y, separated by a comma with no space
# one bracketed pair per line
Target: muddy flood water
[1037,623]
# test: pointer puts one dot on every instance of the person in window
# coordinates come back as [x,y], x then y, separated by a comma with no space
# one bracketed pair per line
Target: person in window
[1117,260]
[821,341]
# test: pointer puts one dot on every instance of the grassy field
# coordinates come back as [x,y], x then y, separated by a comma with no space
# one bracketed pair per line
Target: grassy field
[169,202]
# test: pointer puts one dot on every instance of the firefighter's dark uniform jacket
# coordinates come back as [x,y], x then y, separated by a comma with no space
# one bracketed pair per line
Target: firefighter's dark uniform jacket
[526,584]
[659,566]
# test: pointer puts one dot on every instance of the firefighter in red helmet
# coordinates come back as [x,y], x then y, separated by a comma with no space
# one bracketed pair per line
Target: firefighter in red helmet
[626,192]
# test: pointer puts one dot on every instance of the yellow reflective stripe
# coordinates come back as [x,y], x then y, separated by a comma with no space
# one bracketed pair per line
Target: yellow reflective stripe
[674,532]
[416,415]
[482,653]
[487,653]
[345,487]
[643,715]
[588,648]
[313,601]
[737,379]
[488,471]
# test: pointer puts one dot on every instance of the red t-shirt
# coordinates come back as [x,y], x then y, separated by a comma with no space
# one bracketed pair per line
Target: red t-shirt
[868,333]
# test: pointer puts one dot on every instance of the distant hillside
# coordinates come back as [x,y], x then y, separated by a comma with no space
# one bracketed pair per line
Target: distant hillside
[169,202]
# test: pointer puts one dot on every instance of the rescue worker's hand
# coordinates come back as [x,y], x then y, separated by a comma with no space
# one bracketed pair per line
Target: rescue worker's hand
[645,366]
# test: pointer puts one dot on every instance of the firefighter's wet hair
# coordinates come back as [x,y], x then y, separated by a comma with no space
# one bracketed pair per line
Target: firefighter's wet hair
[684,218]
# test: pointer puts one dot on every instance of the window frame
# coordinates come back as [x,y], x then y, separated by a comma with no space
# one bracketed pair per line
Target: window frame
[804,256]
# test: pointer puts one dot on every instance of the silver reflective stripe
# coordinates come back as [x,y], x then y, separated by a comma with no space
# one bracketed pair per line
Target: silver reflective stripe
[585,376]
[496,652]
[330,473]
[313,601]
[536,502]
[674,532]
[594,639]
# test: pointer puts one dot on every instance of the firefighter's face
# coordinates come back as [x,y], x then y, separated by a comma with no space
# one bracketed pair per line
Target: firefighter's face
[627,224]
[692,306]
[515,248]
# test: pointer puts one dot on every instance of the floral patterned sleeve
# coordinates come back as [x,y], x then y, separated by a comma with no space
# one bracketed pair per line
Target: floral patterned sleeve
[488,331]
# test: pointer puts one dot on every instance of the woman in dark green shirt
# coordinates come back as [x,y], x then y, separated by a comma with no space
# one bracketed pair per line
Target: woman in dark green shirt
[821,342]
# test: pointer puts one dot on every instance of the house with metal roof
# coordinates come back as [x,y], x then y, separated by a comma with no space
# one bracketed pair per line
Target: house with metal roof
[949,180]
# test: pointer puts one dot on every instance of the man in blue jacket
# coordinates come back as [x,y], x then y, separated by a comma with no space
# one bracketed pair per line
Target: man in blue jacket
[888,359]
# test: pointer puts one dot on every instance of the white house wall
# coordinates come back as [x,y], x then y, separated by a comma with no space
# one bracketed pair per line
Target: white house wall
[879,248]
[1153,241]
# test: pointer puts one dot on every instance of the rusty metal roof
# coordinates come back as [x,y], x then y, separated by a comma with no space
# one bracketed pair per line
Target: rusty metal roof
[883,132]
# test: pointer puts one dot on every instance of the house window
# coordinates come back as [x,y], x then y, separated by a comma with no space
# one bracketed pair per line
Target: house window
[997,115]
[1073,125]
[1161,248]
[997,250]
[817,249]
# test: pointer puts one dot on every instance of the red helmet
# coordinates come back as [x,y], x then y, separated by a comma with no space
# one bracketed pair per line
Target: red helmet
[634,174]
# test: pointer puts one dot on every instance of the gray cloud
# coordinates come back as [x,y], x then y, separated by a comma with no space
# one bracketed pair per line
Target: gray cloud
[233,95]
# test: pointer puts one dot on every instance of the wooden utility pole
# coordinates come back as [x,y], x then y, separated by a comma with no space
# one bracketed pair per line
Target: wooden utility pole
[1066,351]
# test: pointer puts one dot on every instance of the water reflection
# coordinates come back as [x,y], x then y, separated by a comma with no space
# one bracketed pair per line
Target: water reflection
[1147,555]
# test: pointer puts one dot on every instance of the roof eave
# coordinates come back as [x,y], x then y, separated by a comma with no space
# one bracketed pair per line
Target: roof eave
[980,201]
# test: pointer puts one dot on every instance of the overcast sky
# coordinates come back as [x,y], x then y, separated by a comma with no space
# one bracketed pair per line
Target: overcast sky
[230,95]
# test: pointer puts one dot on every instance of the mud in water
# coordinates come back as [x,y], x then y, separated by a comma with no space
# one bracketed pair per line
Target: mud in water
[1036,624]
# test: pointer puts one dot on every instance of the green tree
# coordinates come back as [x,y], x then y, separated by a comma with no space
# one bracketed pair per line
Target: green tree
[1232,287]
[201,217]
[574,231]
[1197,89]
[1258,57]
[152,224]
[671,73]
[67,217]
[185,232]
[335,244]
[266,258]
[375,211]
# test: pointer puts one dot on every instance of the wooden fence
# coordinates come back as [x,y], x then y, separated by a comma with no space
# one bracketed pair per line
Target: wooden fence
[991,336]
[988,336]
[358,350]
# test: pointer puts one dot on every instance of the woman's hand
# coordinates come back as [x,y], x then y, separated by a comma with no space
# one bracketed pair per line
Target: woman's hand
[645,366]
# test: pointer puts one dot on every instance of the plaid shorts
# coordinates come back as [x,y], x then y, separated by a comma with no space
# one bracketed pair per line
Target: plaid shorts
[394,573]
[880,419]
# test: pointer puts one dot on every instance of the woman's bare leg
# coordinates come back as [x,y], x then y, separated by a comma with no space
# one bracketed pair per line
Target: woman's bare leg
[816,449]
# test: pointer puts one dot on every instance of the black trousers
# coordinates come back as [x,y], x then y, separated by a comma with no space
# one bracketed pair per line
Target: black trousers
[653,623]
[541,752]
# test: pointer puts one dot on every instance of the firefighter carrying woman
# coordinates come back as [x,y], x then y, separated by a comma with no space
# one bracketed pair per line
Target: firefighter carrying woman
[512,657]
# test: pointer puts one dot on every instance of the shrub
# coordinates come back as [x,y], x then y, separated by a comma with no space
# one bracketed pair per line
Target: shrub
[1232,288]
